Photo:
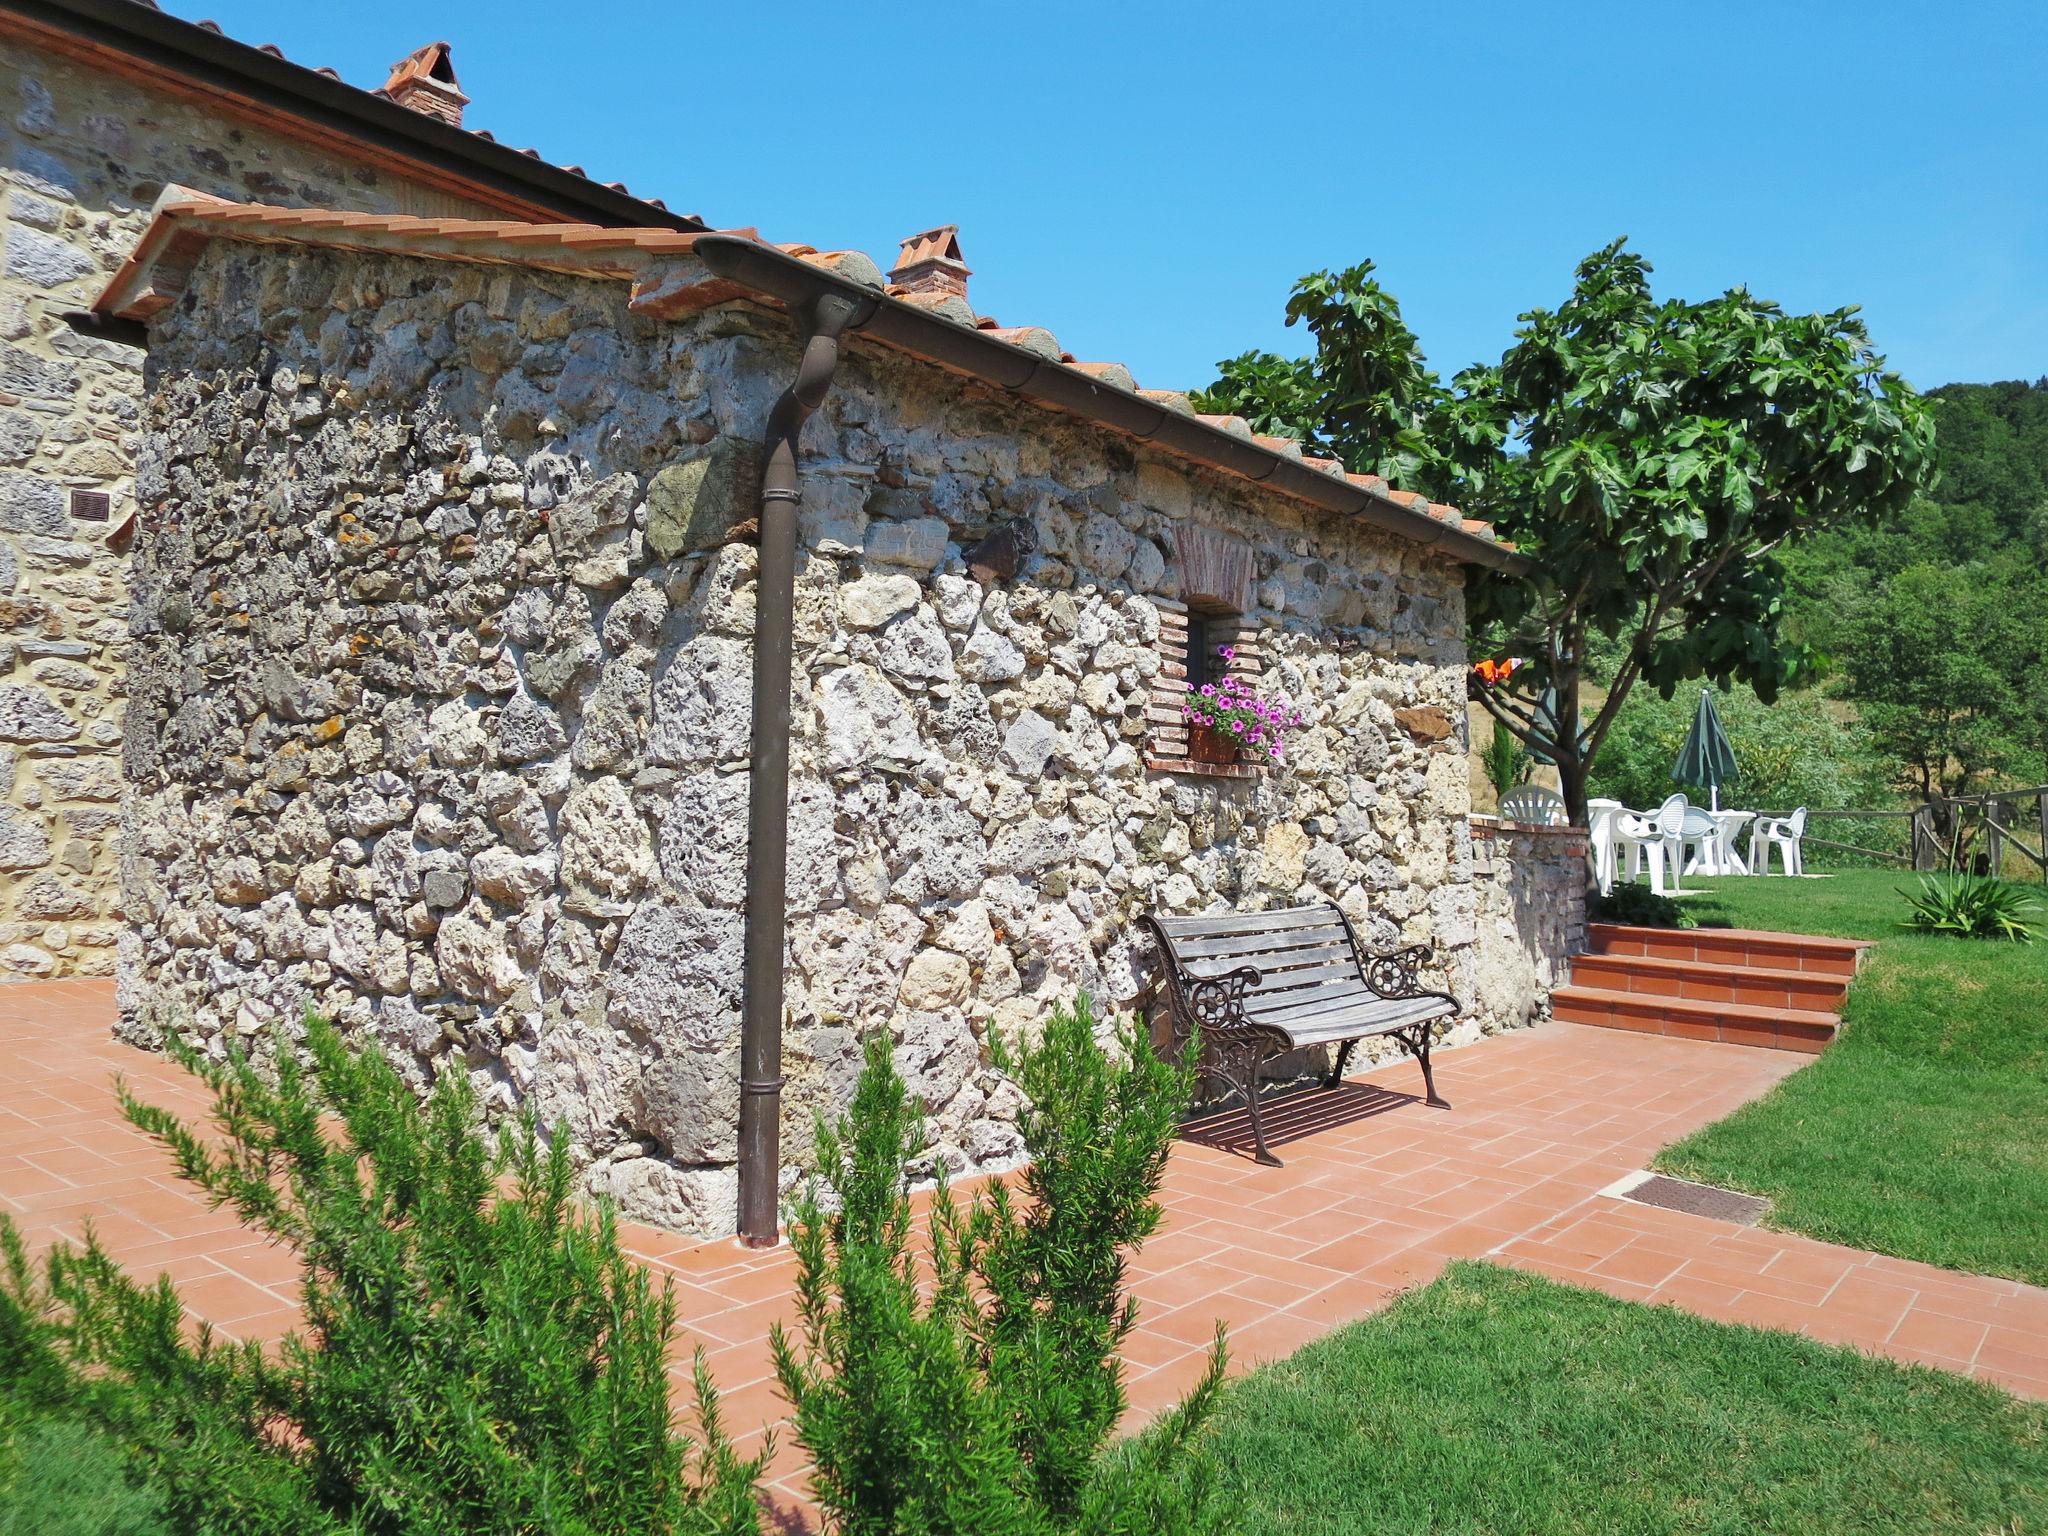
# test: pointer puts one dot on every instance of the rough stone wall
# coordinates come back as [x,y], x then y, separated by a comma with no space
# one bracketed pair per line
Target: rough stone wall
[1531,884]
[85,153]
[442,666]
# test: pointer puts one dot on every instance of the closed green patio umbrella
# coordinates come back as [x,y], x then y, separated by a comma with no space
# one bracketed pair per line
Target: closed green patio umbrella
[1706,758]
[1547,729]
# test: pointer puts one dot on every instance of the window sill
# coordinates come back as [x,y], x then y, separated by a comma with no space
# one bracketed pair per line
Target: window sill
[1206,770]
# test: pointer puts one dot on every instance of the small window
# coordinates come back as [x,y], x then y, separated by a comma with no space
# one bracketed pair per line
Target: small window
[1190,655]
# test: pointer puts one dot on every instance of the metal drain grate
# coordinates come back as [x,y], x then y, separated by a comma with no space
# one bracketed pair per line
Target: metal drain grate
[1698,1199]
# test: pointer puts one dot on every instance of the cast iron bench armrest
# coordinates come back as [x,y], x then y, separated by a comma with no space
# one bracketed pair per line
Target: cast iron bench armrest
[1394,974]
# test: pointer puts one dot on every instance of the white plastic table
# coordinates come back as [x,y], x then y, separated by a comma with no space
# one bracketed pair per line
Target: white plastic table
[1719,854]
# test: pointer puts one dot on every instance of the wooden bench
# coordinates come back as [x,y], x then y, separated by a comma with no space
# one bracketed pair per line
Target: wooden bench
[1253,985]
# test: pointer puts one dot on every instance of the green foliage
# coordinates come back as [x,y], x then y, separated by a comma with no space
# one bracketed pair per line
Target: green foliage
[1799,750]
[480,1356]
[1975,907]
[1639,906]
[1928,660]
[1933,618]
[1365,397]
[61,1472]
[1920,1131]
[1495,1401]
[983,1401]
[1505,761]
[63,1476]
[1653,456]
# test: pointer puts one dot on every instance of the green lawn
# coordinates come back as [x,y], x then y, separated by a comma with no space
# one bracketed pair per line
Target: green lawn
[1495,1402]
[1923,1130]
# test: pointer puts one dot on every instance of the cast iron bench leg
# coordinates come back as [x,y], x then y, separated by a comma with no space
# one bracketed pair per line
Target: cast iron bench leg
[1255,1061]
[1417,1041]
[1343,1059]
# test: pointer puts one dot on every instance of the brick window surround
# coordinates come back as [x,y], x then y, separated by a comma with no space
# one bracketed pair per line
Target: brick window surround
[1215,592]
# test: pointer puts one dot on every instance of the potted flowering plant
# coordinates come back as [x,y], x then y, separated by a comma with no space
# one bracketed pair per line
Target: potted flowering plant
[1228,722]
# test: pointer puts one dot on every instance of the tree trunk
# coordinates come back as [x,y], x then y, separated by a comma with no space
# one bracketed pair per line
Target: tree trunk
[1572,766]
[1571,781]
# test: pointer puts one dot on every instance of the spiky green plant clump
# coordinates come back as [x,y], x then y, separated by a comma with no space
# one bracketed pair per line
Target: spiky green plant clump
[974,1386]
[1975,907]
[479,1355]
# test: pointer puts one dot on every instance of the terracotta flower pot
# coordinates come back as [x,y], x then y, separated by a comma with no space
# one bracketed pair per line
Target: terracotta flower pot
[1210,744]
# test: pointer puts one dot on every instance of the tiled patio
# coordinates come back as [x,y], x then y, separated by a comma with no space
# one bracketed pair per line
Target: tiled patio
[1378,1192]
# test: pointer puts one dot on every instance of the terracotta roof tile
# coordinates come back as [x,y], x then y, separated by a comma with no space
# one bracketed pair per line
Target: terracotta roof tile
[1109,373]
[428,63]
[665,290]
[1035,339]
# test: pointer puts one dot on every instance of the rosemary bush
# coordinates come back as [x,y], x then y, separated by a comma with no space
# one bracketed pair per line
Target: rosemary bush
[479,1355]
[973,1387]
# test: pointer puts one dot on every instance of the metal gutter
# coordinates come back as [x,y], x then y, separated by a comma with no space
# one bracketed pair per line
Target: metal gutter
[821,323]
[907,328]
[163,44]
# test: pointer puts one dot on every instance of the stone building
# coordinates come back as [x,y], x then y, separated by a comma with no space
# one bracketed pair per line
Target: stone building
[102,104]
[447,592]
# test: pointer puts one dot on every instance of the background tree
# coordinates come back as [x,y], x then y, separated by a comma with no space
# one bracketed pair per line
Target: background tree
[1926,660]
[1655,457]
[1365,398]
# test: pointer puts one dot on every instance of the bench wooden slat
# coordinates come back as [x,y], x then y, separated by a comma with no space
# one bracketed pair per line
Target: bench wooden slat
[1277,920]
[1277,963]
[1299,1002]
[1253,944]
[1285,983]
[1373,1019]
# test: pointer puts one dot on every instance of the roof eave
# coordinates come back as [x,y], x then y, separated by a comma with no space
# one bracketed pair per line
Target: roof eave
[222,63]
[908,328]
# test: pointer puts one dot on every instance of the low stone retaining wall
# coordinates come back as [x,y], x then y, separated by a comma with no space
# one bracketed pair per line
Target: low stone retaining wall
[1531,885]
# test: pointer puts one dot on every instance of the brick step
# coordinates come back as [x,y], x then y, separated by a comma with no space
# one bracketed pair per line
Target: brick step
[1785,1029]
[1731,947]
[1712,982]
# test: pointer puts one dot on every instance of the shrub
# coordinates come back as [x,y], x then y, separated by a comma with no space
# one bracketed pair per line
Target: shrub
[481,1356]
[1974,907]
[1797,751]
[1640,906]
[983,1400]
[1505,761]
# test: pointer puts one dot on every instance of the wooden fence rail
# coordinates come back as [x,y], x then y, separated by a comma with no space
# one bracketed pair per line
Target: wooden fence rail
[1959,832]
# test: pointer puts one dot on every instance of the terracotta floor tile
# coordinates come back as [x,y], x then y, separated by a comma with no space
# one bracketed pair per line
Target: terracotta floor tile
[1273,1337]
[1343,1301]
[1951,1337]
[1374,1198]
[1645,1266]
[1861,1294]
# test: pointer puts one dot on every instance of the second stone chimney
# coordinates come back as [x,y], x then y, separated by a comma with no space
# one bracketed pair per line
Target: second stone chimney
[424,80]
[930,264]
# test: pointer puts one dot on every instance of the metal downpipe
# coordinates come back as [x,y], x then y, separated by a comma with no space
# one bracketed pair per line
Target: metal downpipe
[760,1130]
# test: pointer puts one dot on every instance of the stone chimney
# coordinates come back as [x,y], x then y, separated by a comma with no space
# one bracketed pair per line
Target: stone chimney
[930,263]
[424,80]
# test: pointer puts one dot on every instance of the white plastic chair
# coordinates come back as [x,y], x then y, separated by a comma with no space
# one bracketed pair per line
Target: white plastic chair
[1659,838]
[1533,805]
[1600,818]
[1700,841]
[1782,833]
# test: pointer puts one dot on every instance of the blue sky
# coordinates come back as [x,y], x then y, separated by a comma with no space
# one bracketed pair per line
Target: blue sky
[1148,180]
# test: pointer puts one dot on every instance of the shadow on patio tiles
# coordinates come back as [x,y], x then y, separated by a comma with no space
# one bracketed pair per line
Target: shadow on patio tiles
[1294,1116]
